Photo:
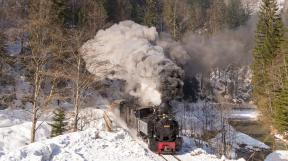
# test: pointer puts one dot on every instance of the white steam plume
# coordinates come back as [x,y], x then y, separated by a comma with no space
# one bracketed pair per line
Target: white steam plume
[127,51]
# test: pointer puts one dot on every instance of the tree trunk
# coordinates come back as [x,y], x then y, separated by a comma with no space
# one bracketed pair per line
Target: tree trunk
[76,103]
[33,130]
[174,20]
[35,108]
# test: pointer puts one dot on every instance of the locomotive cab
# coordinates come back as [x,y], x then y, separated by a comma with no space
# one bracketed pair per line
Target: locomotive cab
[155,125]
[159,128]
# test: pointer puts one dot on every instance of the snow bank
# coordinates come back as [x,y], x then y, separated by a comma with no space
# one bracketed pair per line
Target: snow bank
[89,145]
[96,145]
[93,144]
[279,155]
[251,143]
[19,135]
[11,117]
[127,51]
[15,130]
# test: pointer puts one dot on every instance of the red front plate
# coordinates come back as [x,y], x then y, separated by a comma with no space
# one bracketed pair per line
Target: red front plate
[166,147]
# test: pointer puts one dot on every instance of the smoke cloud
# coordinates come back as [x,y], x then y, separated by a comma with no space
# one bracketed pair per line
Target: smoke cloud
[127,51]
[200,54]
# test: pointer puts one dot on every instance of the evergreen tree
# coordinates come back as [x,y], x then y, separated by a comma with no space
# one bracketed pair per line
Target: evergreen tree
[281,108]
[171,18]
[59,124]
[191,89]
[138,11]
[151,17]
[60,8]
[66,12]
[269,35]
[118,10]
[93,17]
[199,13]
[2,54]
[1,42]
[236,14]
[217,16]
[280,75]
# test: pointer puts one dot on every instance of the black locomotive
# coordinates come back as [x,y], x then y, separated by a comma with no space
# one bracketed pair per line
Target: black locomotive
[156,125]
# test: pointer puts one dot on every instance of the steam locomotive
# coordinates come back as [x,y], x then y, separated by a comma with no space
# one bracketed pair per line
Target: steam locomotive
[155,125]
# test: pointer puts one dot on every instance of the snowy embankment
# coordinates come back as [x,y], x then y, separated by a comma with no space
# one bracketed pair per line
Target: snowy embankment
[97,145]
[15,129]
[249,142]
[88,145]
[278,155]
[92,144]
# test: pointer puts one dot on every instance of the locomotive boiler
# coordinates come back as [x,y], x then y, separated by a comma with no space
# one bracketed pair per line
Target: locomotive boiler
[155,125]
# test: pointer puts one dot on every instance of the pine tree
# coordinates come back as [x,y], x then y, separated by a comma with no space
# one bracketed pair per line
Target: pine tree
[199,13]
[60,8]
[171,18]
[236,14]
[217,16]
[151,17]
[281,109]
[118,10]
[191,89]
[280,75]
[138,11]
[59,124]
[2,54]
[269,35]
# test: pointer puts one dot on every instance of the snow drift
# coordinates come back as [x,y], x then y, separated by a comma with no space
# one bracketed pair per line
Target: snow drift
[127,51]
[94,144]
[15,130]
[278,155]
[89,145]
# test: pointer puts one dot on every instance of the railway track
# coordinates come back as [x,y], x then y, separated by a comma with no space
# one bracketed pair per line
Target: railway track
[170,157]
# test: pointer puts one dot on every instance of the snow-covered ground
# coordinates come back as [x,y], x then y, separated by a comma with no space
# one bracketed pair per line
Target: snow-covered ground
[278,155]
[88,145]
[251,143]
[92,144]
[96,145]
[15,130]
[244,114]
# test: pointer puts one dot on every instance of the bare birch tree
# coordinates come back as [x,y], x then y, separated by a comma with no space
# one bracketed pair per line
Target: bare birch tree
[43,42]
[73,69]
